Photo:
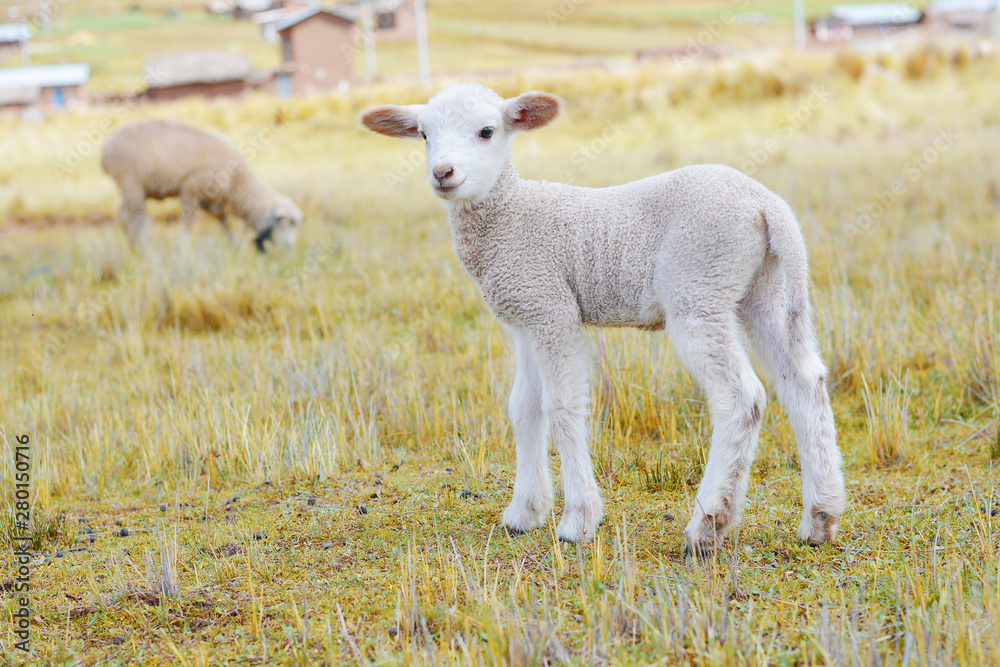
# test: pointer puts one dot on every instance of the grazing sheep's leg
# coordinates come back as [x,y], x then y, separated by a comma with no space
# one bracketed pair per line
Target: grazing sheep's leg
[228,228]
[785,342]
[132,215]
[736,398]
[561,357]
[532,484]
[189,208]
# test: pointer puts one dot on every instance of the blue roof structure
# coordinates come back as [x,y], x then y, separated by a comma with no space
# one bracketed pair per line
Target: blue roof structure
[45,76]
[14,32]
[983,6]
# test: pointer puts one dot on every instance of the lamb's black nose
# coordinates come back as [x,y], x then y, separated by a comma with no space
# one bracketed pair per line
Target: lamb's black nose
[443,172]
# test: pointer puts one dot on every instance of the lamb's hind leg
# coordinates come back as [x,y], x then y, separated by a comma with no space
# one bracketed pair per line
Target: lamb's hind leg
[532,483]
[784,341]
[711,350]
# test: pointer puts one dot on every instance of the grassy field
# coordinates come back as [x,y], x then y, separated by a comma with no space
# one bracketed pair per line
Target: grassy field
[302,458]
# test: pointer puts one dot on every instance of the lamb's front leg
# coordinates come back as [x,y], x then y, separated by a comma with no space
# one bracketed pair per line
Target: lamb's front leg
[532,484]
[562,360]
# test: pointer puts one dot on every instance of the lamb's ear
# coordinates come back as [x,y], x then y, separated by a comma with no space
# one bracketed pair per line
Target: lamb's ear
[529,111]
[392,120]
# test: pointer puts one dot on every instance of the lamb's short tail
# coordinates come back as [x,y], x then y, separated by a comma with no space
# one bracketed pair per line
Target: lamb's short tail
[785,243]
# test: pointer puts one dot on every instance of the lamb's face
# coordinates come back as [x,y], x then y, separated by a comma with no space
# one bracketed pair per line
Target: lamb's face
[280,224]
[467,130]
[287,223]
[466,141]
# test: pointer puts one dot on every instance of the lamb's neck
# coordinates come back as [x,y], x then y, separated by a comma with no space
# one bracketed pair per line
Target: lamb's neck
[246,190]
[468,218]
[472,224]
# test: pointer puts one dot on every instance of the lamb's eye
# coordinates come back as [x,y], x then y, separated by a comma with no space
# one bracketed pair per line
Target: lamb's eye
[486,132]
[423,135]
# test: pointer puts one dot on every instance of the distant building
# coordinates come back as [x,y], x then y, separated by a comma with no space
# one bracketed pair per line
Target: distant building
[317,48]
[46,87]
[267,20]
[394,20]
[979,17]
[14,39]
[268,23]
[207,74]
[847,22]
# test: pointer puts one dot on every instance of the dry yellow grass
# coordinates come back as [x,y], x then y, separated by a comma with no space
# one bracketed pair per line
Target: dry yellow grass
[362,370]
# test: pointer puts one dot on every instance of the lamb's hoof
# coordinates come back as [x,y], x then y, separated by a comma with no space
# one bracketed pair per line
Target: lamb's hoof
[520,517]
[817,527]
[579,523]
[703,536]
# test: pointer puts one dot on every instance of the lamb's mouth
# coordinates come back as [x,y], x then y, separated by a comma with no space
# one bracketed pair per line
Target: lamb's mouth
[261,237]
[442,190]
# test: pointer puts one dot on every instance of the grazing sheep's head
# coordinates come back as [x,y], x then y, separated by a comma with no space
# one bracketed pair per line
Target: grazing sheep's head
[279,223]
[467,129]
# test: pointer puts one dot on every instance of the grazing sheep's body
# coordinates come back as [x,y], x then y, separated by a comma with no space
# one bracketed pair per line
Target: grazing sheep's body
[704,251]
[156,159]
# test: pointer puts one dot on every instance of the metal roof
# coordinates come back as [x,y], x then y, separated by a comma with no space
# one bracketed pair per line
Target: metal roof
[307,13]
[45,76]
[14,32]
[270,16]
[983,6]
[878,13]
[253,5]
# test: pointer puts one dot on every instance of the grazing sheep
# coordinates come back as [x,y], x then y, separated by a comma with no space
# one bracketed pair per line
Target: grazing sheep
[156,159]
[703,251]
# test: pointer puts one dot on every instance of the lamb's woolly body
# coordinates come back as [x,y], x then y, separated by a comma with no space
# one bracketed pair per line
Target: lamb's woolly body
[602,251]
[704,251]
[157,159]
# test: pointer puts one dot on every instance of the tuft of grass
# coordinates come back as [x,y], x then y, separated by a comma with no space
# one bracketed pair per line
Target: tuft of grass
[887,409]
[851,64]
[46,528]
[161,569]
[982,360]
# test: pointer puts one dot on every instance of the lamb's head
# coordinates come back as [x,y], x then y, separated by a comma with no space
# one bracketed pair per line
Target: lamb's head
[467,130]
[279,221]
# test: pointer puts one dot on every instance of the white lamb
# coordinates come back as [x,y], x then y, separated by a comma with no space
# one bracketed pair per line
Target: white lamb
[703,251]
